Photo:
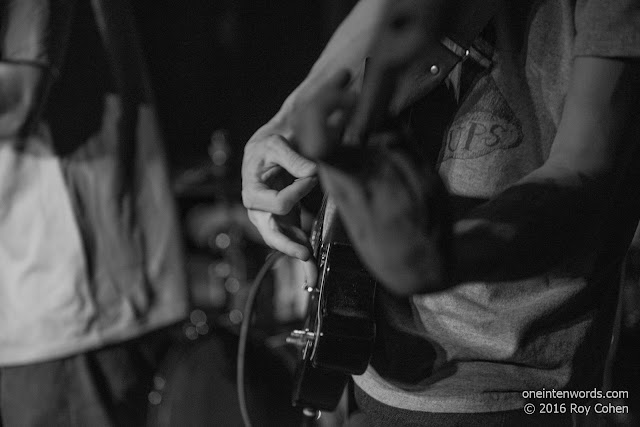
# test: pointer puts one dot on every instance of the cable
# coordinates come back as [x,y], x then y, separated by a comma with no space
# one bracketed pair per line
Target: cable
[244,332]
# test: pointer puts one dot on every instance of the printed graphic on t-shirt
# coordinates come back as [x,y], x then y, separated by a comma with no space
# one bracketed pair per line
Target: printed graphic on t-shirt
[489,125]
[485,148]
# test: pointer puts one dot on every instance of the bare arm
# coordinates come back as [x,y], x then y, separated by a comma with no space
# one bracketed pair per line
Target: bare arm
[271,162]
[555,210]
[552,211]
[270,194]
[346,50]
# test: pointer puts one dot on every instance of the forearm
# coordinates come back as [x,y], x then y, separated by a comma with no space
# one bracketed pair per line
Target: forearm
[546,219]
[398,222]
[346,50]
[352,40]
[548,216]
[528,229]
[397,217]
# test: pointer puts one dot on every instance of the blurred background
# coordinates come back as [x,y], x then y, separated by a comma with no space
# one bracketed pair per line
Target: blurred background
[228,64]
[219,70]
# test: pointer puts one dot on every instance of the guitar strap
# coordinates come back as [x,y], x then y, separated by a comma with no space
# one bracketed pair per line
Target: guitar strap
[461,45]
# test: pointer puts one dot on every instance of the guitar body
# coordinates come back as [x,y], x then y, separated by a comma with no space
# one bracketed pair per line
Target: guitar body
[340,327]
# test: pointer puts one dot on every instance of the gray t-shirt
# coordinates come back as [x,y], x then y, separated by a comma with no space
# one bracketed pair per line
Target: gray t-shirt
[476,347]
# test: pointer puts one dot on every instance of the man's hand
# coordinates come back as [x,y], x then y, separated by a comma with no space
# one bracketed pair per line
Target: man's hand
[274,179]
[395,211]
[397,217]
[322,115]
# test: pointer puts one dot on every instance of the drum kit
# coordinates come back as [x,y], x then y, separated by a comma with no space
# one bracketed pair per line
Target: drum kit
[196,384]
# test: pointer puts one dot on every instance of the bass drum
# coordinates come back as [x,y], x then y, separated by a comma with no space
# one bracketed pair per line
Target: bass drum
[196,385]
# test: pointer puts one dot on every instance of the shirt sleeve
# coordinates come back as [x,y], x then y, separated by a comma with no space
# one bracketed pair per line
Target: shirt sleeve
[607,28]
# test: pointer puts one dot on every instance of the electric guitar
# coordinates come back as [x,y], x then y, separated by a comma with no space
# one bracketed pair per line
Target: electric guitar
[339,333]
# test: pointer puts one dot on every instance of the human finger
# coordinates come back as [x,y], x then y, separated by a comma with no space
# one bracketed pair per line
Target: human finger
[259,196]
[322,123]
[278,151]
[275,238]
[310,270]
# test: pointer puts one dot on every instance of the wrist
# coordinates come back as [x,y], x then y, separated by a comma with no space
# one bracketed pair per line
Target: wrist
[282,123]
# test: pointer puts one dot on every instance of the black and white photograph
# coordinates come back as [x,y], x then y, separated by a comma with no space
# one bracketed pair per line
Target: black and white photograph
[319,213]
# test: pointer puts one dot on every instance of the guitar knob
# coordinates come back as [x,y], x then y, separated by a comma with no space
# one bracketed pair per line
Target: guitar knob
[300,338]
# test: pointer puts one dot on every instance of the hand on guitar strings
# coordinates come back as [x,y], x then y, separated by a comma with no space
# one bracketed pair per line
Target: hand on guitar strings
[397,217]
[275,177]
[395,208]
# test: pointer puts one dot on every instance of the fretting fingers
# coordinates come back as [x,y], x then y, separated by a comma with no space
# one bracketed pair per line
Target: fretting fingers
[323,115]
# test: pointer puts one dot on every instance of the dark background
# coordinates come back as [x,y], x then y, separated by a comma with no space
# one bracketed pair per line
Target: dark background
[228,64]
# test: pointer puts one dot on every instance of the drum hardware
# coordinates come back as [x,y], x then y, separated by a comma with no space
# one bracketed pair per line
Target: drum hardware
[198,325]
[225,243]
[228,246]
[231,244]
[195,327]
[211,182]
[219,152]
[196,383]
